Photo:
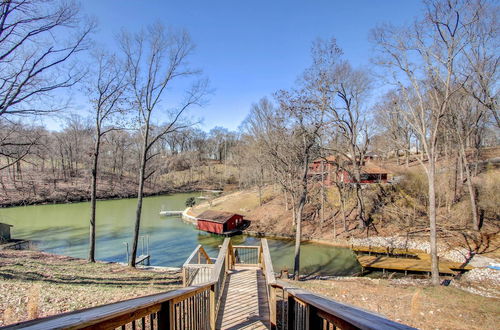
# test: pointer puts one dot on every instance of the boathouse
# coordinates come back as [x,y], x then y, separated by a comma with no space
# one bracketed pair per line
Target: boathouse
[5,232]
[219,222]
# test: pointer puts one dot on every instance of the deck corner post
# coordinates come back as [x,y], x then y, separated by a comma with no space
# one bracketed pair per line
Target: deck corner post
[184,276]
[272,305]
[314,321]
[165,316]
[290,311]
[213,310]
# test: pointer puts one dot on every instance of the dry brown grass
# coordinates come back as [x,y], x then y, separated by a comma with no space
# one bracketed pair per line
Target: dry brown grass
[414,304]
[35,284]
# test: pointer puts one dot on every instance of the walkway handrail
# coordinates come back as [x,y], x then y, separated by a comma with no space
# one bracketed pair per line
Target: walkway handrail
[199,251]
[178,309]
[200,270]
[196,307]
[193,307]
[301,309]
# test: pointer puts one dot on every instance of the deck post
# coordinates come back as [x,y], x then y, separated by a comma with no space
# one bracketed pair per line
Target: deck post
[290,311]
[272,306]
[213,305]
[313,320]
[165,316]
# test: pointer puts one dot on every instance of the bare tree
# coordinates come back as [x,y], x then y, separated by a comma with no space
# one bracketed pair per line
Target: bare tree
[306,121]
[35,51]
[466,119]
[155,59]
[106,95]
[481,57]
[35,54]
[339,90]
[422,59]
[390,117]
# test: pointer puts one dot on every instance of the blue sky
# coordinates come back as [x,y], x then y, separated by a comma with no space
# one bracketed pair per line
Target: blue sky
[249,49]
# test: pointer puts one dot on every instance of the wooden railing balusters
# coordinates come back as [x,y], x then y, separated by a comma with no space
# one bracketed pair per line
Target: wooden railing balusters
[197,307]
[213,311]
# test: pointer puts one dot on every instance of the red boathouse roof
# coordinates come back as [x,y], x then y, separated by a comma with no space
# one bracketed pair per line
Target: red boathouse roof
[216,216]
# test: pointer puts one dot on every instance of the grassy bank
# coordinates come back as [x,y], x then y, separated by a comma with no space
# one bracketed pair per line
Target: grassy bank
[36,284]
[413,302]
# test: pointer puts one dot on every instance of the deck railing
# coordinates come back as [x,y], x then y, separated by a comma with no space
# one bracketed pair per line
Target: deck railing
[186,308]
[196,307]
[198,267]
[192,307]
[247,255]
[293,308]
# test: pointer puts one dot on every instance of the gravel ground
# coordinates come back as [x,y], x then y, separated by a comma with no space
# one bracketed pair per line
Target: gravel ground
[457,255]
[481,280]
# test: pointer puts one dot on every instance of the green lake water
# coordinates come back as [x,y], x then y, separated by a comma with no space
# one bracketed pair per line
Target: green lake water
[63,229]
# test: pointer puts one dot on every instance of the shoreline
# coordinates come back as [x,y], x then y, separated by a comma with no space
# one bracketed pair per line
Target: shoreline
[83,199]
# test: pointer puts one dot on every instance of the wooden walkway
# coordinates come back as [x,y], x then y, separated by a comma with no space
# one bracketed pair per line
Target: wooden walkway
[244,302]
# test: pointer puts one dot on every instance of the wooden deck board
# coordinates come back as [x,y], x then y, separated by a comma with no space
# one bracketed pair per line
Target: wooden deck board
[385,250]
[244,302]
[403,264]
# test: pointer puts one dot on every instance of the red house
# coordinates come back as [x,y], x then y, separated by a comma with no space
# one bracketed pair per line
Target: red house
[219,222]
[370,173]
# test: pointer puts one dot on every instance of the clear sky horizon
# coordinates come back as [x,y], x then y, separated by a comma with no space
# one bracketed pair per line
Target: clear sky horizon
[249,49]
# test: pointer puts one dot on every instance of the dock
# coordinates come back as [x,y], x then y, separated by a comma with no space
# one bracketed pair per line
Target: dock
[15,244]
[418,265]
[411,253]
[168,213]
[142,258]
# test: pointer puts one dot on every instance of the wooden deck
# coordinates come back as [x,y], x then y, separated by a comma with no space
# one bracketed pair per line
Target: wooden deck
[244,302]
[386,250]
[411,265]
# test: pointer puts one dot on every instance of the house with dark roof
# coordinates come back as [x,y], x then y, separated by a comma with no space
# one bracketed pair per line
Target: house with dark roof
[220,222]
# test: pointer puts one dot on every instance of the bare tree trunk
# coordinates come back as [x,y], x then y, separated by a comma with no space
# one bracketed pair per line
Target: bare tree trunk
[455,179]
[342,206]
[286,200]
[432,221]
[360,206]
[302,202]
[140,194]
[260,194]
[322,194]
[472,192]
[93,197]
[298,236]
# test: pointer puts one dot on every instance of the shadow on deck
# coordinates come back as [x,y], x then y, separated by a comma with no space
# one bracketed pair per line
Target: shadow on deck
[244,303]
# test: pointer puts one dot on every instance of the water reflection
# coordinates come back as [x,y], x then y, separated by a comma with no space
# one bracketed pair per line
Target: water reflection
[63,229]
